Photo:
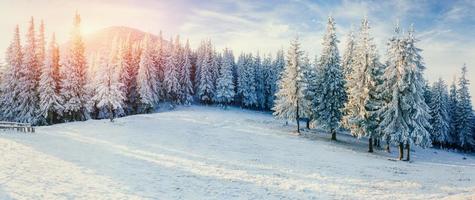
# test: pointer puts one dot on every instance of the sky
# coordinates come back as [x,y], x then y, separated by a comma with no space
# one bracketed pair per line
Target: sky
[446,29]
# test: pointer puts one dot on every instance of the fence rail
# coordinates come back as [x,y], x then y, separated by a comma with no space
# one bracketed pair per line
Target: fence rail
[21,127]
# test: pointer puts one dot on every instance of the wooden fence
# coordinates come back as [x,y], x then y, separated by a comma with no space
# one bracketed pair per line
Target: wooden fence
[21,127]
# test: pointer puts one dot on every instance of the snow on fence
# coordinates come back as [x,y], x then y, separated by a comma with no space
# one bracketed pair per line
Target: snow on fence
[21,127]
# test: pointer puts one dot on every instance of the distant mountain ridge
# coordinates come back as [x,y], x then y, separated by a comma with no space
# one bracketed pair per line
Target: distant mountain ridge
[101,40]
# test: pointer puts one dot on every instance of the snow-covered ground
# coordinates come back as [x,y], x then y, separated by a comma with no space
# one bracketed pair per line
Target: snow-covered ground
[206,153]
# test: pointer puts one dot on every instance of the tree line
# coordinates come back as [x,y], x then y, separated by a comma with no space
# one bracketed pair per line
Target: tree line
[386,102]
[383,101]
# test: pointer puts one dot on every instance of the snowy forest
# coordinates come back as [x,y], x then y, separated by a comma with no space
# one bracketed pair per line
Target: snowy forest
[387,102]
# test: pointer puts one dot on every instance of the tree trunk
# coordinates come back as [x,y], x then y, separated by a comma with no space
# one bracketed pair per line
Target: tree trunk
[370,144]
[308,123]
[297,114]
[388,149]
[333,131]
[111,113]
[298,126]
[401,151]
[408,158]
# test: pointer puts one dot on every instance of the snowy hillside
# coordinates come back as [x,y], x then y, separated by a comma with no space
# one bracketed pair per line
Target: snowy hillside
[206,153]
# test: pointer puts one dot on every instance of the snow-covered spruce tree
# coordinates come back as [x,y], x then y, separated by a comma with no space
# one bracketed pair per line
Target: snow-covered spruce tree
[108,92]
[276,69]
[147,80]
[247,81]
[439,115]
[289,96]
[128,76]
[405,115]
[363,82]
[41,47]
[185,77]
[269,81]
[50,99]
[216,63]
[350,51]
[28,107]
[9,82]
[307,78]
[260,85]
[332,95]
[206,87]
[464,113]
[73,75]
[200,56]
[451,110]
[171,82]
[427,92]
[225,85]
[159,54]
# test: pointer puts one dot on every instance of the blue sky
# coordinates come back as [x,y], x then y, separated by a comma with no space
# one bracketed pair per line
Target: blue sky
[446,29]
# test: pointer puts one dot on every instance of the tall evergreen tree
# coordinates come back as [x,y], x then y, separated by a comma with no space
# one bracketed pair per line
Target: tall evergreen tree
[147,80]
[247,81]
[363,82]
[206,85]
[109,95]
[306,76]
[452,112]
[73,85]
[289,96]
[185,76]
[225,85]
[275,72]
[171,82]
[348,56]
[332,95]
[128,75]
[405,115]
[10,89]
[28,108]
[50,99]
[464,113]
[439,115]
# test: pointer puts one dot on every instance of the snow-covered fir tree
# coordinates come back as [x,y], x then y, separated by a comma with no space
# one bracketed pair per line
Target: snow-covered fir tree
[275,72]
[260,85]
[269,81]
[363,82]
[147,80]
[289,96]
[28,107]
[451,110]
[307,78]
[50,99]
[9,82]
[185,77]
[159,53]
[225,85]
[171,82]
[128,75]
[41,46]
[246,81]
[439,115]
[350,51]
[216,63]
[109,95]
[73,84]
[405,114]
[464,113]
[206,87]
[332,95]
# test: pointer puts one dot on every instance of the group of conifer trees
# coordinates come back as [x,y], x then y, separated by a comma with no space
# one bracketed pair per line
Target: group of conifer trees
[387,102]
